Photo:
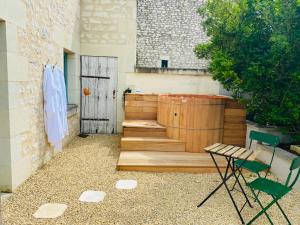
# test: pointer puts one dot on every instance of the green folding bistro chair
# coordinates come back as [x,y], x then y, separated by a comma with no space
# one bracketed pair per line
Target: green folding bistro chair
[275,189]
[255,166]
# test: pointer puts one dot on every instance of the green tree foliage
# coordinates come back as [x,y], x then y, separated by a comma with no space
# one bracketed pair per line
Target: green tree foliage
[254,50]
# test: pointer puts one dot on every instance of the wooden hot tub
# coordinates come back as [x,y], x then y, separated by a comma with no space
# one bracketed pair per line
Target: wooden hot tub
[198,120]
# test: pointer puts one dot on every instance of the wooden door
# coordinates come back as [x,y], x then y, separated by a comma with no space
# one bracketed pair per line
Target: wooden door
[98,95]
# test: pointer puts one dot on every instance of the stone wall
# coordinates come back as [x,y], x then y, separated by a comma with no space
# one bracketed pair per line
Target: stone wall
[37,31]
[169,30]
[105,22]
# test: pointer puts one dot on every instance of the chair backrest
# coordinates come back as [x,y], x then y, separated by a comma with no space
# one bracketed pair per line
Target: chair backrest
[265,138]
[294,165]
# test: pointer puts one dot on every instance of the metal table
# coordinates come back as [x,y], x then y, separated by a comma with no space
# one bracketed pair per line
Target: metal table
[230,153]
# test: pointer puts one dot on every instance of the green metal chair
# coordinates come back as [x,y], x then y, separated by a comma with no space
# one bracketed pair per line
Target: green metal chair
[255,166]
[275,189]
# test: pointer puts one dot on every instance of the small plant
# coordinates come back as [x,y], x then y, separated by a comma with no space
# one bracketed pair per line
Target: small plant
[254,50]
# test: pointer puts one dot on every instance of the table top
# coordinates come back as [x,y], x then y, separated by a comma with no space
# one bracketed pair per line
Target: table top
[231,151]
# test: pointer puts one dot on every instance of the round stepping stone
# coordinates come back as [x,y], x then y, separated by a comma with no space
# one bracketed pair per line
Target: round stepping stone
[126,184]
[92,196]
[50,211]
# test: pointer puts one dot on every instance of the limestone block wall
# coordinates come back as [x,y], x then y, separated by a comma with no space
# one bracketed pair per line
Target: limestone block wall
[36,31]
[169,30]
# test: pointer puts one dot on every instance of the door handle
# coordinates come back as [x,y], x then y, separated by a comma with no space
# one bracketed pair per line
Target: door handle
[114,94]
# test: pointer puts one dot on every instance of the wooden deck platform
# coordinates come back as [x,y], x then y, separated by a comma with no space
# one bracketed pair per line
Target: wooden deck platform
[150,161]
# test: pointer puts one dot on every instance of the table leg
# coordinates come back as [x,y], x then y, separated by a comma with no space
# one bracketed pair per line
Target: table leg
[227,188]
[217,188]
[238,182]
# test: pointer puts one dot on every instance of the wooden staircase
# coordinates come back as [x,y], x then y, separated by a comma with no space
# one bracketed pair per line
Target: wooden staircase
[147,147]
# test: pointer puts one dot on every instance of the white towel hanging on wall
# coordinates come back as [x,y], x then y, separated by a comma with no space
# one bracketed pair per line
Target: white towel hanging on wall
[55,106]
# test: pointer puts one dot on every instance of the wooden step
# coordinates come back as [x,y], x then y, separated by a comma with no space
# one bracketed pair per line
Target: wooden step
[151,161]
[152,144]
[142,124]
[144,132]
[143,128]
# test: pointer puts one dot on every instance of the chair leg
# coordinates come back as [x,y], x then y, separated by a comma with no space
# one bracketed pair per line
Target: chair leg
[285,216]
[244,178]
[267,172]
[233,166]
[241,187]
[263,211]
[239,174]
[258,191]
[235,182]
[264,177]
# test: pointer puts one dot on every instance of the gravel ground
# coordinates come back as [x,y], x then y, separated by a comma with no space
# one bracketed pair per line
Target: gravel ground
[160,198]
